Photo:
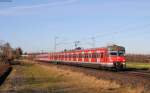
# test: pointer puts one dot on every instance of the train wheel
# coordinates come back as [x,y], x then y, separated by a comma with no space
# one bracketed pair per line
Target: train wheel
[118,66]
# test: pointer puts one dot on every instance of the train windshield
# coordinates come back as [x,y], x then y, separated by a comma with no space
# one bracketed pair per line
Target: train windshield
[121,53]
[116,53]
[113,53]
[116,50]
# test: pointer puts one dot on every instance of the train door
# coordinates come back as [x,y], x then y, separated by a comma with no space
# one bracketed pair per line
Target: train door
[89,56]
[83,56]
[77,56]
[49,56]
[102,59]
[98,56]
[94,59]
[86,56]
[64,56]
[67,56]
[105,56]
[72,56]
[80,57]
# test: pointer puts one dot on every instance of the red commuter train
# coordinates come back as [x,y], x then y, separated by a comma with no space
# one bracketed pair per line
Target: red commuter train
[111,56]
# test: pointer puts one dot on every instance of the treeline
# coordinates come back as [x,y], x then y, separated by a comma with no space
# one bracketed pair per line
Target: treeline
[138,58]
[7,53]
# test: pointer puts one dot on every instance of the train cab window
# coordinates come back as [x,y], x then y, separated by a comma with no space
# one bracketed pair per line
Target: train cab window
[121,53]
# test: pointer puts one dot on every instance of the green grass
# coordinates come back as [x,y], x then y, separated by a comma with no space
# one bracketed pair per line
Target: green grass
[138,65]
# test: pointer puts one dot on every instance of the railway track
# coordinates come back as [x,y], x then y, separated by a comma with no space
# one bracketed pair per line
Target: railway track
[138,74]
[142,74]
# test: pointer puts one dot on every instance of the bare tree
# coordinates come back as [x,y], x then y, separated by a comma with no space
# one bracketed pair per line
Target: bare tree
[6,52]
[17,53]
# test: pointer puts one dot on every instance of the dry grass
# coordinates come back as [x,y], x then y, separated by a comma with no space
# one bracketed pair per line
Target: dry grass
[35,78]
[83,82]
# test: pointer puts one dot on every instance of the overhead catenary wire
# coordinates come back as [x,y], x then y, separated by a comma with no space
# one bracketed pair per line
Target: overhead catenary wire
[94,40]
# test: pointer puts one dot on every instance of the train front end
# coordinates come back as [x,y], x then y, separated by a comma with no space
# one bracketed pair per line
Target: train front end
[116,55]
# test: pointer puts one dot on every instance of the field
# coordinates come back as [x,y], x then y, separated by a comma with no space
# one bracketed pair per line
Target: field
[36,78]
[138,65]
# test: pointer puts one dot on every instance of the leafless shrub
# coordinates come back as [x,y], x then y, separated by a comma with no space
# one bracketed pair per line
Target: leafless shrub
[7,53]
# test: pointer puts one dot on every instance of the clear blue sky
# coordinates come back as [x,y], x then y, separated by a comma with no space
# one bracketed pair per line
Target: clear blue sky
[33,24]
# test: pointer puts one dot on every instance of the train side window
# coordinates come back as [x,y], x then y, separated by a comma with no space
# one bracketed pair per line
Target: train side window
[94,55]
[90,55]
[80,55]
[71,55]
[85,55]
[98,55]
[75,55]
[65,55]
